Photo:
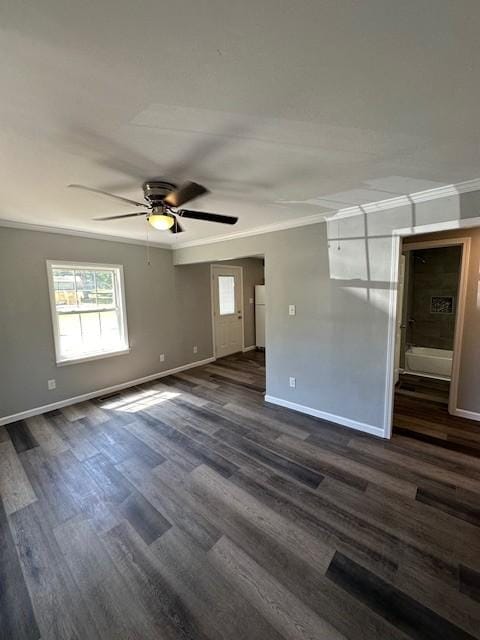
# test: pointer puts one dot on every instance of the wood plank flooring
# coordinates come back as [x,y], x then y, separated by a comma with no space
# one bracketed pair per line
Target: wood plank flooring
[187,508]
[421,387]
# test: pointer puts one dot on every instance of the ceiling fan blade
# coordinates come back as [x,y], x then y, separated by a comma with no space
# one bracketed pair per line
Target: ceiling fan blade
[109,195]
[176,228]
[125,215]
[186,192]
[207,217]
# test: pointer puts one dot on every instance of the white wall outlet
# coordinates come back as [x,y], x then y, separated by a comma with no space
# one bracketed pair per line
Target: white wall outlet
[195,349]
[291,310]
[292,382]
[162,357]
[251,300]
[52,384]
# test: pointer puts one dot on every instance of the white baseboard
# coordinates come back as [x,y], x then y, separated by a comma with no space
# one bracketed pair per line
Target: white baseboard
[345,422]
[250,348]
[463,413]
[99,392]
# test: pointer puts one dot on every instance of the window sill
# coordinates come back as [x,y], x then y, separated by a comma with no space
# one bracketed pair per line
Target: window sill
[97,356]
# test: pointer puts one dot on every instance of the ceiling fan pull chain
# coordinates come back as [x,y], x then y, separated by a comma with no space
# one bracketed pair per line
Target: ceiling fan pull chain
[148,249]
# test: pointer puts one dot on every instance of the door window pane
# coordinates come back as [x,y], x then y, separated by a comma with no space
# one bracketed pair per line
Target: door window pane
[226,295]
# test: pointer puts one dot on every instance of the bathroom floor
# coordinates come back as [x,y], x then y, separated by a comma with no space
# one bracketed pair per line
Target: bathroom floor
[429,422]
[423,388]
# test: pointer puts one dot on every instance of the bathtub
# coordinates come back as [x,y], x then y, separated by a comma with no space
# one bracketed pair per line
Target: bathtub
[434,363]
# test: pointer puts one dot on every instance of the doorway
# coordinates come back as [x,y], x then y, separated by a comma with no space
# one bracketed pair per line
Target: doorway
[430,312]
[227,310]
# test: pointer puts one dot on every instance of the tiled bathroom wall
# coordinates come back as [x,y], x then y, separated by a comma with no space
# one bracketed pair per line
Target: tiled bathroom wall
[434,277]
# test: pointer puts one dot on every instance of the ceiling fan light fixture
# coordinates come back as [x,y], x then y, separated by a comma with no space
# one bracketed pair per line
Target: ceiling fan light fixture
[161,221]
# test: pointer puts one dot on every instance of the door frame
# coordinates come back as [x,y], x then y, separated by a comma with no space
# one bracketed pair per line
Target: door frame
[212,300]
[398,248]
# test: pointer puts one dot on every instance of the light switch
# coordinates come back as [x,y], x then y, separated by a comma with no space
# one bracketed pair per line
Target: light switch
[291,310]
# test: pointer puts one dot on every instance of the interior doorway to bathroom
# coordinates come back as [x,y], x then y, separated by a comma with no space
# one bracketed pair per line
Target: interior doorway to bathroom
[431,299]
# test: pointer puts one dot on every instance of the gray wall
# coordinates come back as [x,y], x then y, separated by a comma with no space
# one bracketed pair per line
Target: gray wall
[168,311]
[338,273]
[434,272]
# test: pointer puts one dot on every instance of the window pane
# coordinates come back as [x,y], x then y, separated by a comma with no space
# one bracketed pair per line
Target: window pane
[70,334]
[65,292]
[105,288]
[86,289]
[226,294]
[110,327]
[91,331]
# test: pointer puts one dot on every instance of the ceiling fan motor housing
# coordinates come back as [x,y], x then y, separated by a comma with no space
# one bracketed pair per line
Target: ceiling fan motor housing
[156,190]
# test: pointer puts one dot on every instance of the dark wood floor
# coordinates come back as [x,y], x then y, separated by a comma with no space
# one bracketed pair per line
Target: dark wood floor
[424,388]
[189,509]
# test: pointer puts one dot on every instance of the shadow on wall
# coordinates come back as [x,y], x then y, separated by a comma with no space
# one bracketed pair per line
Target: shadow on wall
[359,265]
[356,242]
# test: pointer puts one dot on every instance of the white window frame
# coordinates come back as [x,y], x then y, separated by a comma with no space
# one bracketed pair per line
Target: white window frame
[120,296]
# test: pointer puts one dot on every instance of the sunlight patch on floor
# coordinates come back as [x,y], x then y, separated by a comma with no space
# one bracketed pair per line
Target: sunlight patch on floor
[141,401]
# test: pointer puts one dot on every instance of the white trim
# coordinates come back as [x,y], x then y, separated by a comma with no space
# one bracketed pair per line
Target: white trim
[97,356]
[392,308]
[212,301]
[256,231]
[346,212]
[370,207]
[100,392]
[346,422]
[67,231]
[250,348]
[391,337]
[119,284]
[470,415]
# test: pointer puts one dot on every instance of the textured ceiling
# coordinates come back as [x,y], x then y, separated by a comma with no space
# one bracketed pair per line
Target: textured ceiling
[282,109]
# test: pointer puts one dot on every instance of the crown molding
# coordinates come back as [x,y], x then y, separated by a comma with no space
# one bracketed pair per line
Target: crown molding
[67,231]
[346,212]
[256,231]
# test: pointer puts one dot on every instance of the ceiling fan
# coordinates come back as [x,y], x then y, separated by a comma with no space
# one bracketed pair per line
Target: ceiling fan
[163,201]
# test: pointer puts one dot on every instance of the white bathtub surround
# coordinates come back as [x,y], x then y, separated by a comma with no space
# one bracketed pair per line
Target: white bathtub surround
[426,361]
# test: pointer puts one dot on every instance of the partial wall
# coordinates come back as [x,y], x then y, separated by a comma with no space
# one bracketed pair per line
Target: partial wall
[168,311]
[342,276]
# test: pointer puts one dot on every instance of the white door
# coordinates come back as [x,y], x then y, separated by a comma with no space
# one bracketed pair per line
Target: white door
[398,333]
[227,310]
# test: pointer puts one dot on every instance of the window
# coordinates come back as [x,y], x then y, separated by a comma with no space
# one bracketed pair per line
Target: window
[226,295]
[88,310]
